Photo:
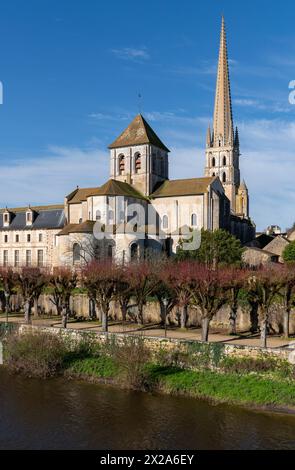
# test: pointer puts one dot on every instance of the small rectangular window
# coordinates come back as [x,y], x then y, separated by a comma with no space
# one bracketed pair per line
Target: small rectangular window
[40,237]
[16,258]
[28,257]
[28,237]
[5,238]
[40,258]
[5,258]
[16,238]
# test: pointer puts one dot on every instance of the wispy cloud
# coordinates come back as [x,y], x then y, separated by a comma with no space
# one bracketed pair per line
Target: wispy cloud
[132,53]
[51,176]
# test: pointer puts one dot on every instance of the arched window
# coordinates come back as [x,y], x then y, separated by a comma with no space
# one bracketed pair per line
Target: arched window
[223,177]
[80,221]
[213,174]
[213,161]
[137,162]
[98,215]
[76,253]
[121,164]
[193,220]
[224,161]
[165,221]
[134,251]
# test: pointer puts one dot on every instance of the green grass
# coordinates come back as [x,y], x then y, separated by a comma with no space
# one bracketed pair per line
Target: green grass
[225,387]
[96,367]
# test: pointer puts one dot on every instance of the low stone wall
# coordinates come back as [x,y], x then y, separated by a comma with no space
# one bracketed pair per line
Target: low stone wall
[156,344]
[80,306]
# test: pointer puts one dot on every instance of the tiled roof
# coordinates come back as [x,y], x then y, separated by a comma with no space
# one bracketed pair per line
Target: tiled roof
[110,188]
[183,187]
[84,227]
[137,133]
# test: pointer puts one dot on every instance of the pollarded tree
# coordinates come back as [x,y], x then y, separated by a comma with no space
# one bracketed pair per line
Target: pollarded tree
[100,279]
[143,281]
[263,286]
[286,274]
[7,283]
[210,291]
[30,282]
[177,277]
[238,277]
[62,283]
[124,290]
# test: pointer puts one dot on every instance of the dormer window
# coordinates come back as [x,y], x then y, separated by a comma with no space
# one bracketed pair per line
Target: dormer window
[29,216]
[7,217]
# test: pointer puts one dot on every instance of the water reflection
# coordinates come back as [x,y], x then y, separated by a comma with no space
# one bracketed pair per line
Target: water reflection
[57,414]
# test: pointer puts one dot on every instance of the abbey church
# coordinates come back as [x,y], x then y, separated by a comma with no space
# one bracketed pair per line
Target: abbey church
[139,207]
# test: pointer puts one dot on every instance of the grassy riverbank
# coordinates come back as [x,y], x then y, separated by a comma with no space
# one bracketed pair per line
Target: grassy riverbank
[200,371]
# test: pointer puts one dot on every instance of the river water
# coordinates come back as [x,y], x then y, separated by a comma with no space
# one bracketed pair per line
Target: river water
[60,414]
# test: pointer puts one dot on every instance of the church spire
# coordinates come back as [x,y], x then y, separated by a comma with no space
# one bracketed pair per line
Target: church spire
[223,121]
[208,140]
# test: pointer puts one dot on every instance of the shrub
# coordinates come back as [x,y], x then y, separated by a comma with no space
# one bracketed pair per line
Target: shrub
[244,365]
[36,354]
[131,356]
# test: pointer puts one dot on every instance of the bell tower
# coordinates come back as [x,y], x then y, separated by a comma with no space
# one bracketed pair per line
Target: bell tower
[139,157]
[222,143]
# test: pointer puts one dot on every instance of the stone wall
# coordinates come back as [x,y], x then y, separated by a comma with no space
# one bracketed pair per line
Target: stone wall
[156,344]
[80,306]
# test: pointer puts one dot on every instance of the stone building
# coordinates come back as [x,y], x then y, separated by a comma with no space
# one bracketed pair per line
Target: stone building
[139,208]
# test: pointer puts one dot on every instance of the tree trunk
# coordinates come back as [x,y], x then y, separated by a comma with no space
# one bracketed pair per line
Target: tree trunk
[183,317]
[205,329]
[263,334]
[6,294]
[92,310]
[104,323]
[286,325]
[140,314]
[233,321]
[254,317]
[64,316]
[124,309]
[36,313]
[27,309]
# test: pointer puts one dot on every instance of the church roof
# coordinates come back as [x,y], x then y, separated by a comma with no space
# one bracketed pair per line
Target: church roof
[110,188]
[137,133]
[183,187]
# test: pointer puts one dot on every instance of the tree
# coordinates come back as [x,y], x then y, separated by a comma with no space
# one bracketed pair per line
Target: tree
[166,295]
[289,253]
[100,279]
[209,289]
[8,284]
[62,282]
[238,277]
[287,281]
[263,285]
[30,281]
[124,290]
[217,248]
[177,277]
[143,282]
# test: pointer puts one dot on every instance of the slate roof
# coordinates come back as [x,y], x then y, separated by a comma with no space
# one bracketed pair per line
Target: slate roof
[110,188]
[45,217]
[137,133]
[183,187]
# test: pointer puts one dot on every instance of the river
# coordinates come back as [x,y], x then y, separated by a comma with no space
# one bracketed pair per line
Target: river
[60,414]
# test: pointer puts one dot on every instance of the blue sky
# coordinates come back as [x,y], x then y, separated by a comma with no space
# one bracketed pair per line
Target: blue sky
[72,70]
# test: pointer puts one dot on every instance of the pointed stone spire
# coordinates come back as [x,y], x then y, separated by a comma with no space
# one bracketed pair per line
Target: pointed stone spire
[223,121]
[208,140]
